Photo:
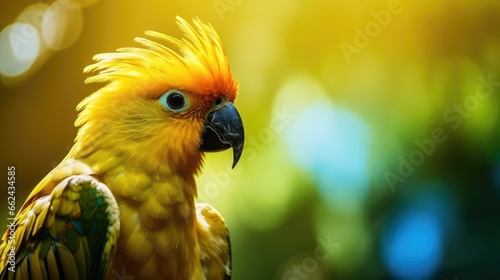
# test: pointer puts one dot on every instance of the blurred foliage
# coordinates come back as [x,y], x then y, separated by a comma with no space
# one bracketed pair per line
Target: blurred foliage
[342,176]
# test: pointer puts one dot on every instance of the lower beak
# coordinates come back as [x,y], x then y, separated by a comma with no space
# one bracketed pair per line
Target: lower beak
[224,129]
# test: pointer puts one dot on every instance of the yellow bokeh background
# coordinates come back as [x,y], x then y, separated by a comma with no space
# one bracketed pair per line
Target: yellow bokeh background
[335,98]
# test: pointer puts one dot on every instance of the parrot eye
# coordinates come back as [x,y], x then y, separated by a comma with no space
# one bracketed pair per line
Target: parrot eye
[174,100]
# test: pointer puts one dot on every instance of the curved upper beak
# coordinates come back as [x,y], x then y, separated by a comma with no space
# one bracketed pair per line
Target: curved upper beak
[223,129]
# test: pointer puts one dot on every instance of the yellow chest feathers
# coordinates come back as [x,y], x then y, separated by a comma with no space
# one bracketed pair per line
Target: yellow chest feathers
[158,236]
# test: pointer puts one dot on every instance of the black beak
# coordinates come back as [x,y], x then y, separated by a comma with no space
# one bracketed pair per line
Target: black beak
[223,130]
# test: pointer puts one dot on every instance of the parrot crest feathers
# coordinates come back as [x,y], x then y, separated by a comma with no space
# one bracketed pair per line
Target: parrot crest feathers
[200,67]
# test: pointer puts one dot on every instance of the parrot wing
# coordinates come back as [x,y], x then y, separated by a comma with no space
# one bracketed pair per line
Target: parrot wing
[69,232]
[215,246]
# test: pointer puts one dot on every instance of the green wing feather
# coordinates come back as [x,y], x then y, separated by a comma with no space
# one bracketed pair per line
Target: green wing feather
[70,233]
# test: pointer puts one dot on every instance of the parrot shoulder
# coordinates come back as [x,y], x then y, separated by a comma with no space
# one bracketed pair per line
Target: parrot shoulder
[215,246]
[67,228]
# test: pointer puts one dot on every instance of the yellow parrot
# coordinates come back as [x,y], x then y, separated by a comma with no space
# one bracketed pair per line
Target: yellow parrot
[121,204]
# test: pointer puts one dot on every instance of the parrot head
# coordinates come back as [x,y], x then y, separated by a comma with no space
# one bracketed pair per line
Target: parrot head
[162,109]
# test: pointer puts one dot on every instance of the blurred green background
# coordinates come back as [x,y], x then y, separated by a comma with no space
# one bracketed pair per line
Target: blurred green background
[372,147]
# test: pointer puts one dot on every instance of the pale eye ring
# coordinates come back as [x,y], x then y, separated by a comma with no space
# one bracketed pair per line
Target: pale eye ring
[174,100]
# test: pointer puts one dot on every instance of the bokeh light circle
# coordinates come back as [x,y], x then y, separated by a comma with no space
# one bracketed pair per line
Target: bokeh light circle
[412,245]
[34,15]
[333,144]
[20,45]
[62,24]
